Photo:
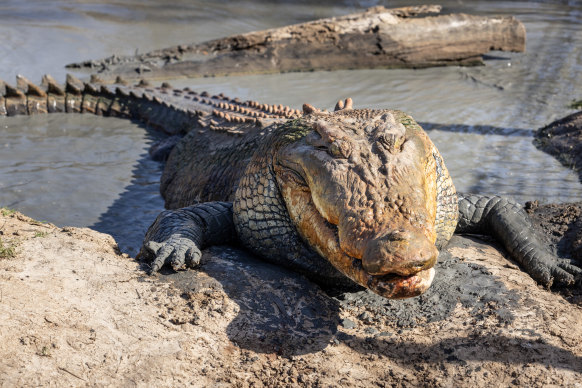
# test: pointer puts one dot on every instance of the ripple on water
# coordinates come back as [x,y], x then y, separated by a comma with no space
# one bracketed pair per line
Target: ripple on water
[88,171]
[81,170]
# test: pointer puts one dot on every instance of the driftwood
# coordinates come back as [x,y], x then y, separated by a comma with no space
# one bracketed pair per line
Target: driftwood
[376,38]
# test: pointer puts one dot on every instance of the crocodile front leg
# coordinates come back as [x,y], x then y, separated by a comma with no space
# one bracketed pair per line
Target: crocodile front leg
[177,236]
[508,223]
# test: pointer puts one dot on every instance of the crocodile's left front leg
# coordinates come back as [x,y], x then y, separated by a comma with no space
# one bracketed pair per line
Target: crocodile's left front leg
[508,223]
[177,236]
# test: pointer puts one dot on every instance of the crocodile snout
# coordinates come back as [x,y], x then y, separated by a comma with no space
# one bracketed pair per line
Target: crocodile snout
[399,252]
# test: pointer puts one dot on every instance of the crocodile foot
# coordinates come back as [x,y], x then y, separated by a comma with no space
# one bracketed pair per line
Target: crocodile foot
[550,271]
[177,236]
[177,251]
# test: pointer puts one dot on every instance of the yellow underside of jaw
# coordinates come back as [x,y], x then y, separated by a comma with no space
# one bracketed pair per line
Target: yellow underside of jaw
[316,231]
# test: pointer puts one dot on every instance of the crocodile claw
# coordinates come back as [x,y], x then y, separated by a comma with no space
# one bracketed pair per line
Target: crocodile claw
[176,236]
[177,251]
[550,271]
[566,272]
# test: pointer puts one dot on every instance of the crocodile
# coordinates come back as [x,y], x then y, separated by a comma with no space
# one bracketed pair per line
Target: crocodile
[353,197]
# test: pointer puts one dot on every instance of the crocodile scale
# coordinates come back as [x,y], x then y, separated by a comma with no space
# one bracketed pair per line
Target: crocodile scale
[351,197]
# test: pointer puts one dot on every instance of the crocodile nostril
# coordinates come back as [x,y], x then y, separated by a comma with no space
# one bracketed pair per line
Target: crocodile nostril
[402,253]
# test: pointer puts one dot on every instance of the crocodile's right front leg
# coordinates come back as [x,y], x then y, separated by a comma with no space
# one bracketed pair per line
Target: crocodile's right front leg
[177,236]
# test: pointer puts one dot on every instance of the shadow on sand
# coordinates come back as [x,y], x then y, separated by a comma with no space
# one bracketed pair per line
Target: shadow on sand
[284,313]
[129,217]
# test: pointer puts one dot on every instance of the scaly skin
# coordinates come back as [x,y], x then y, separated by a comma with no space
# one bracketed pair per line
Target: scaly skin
[174,111]
[357,194]
[351,197]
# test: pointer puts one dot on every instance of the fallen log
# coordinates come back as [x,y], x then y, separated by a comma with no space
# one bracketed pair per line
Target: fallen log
[376,38]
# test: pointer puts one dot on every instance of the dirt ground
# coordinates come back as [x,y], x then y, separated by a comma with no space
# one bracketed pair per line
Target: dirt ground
[75,312]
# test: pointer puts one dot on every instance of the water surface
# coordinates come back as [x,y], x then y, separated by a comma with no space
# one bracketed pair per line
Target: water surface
[87,171]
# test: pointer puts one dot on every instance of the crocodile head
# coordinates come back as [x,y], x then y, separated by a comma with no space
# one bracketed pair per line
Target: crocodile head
[360,185]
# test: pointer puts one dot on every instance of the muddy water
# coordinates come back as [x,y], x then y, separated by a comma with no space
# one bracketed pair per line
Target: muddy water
[88,171]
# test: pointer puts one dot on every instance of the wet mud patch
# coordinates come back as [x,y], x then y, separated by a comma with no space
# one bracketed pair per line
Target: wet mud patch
[278,310]
[563,139]
[562,228]
[561,225]
[283,312]
[457,281]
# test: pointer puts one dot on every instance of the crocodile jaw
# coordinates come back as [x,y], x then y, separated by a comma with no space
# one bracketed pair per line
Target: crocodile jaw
[360,190]
[402,286]
[323,237]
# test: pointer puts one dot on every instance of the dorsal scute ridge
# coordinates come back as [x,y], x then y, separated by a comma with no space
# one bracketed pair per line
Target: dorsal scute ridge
[176,106]
[52,86]
[74,85]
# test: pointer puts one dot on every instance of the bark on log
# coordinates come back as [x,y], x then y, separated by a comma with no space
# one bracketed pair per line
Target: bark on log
[376,38]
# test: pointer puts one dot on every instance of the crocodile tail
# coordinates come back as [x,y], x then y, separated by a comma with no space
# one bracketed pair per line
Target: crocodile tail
[174,111]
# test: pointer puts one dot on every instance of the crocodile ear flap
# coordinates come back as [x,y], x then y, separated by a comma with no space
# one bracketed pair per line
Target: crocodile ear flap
[327,131]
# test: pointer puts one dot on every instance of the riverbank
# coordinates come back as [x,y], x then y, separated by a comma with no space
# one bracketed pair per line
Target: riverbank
[74,311]
[563,140]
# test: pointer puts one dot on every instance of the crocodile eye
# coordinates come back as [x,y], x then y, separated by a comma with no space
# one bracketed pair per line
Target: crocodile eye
[393,143]
[340,149]
[314,139]
[293,177]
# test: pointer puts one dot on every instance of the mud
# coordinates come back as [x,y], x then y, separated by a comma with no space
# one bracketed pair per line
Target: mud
[562,226]
[458,282]
[76,312]
[563,139]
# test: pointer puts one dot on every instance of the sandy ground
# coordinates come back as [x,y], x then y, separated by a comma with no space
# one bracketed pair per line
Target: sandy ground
[75,312]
